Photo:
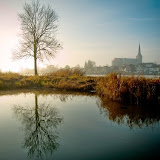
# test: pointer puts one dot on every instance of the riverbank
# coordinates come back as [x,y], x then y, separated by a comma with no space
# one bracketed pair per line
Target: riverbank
[71,80]
[131,90]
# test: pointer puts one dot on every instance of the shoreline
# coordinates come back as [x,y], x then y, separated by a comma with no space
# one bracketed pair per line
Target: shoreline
[122,89]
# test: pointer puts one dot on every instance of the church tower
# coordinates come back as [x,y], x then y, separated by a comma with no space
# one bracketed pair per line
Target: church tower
[139,55]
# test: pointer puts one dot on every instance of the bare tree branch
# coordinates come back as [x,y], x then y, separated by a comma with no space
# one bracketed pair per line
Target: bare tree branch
[39,24]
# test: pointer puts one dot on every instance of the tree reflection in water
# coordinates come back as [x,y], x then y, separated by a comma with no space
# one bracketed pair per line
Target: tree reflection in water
[40,124]
[131,116]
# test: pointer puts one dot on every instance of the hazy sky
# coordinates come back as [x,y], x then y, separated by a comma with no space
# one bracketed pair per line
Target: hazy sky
[99,30]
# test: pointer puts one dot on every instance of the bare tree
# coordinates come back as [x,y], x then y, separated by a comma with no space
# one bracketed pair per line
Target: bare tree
[39,26]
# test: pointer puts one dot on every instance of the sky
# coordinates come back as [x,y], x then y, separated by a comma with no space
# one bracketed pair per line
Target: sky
[97,30]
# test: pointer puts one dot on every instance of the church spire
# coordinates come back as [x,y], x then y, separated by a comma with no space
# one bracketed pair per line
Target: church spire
[139,50]
[139,55]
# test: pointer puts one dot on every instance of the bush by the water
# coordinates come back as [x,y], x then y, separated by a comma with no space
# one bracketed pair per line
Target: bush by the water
[133,90]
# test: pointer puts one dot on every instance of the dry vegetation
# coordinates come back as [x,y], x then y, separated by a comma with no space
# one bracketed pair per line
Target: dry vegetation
[132,90]
[65,79]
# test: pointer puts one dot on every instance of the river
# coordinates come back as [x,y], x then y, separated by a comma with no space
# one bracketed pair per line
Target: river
[53,125]
[146,76]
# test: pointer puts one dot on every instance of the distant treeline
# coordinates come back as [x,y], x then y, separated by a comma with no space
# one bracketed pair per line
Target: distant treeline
[90,67]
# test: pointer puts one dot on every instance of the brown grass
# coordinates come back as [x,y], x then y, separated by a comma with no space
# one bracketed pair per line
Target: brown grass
[133,90]
[63,79]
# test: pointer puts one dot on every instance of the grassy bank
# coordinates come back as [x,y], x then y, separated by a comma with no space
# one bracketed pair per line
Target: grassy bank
[62,79]
[132,90]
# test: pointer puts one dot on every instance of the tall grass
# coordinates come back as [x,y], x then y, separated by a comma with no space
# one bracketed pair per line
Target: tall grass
[8,79]
[67,73]
[64,79]
[133,90]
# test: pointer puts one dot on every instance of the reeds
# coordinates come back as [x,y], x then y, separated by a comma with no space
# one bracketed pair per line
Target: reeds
[133,90]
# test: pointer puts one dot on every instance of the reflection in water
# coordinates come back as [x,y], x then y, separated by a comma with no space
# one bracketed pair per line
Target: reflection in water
[64,97]
[131,116]
[40,124]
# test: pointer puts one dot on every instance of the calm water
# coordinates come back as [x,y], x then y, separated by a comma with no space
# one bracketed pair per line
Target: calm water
[57,126]
[146,76]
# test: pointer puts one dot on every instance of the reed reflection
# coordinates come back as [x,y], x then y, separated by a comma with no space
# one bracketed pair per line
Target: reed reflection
[39,123]
[131,116]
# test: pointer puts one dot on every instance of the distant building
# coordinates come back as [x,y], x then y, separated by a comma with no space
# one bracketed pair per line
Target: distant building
[148,68]
[127,61]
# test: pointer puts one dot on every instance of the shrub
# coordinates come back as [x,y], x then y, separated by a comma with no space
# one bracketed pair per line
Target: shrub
[67,73]
[133,90]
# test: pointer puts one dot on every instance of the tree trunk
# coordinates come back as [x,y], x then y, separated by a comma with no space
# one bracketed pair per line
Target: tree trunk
[35,57]
[35,65]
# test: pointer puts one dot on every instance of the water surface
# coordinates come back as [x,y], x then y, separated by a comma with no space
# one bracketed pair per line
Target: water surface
[68,126]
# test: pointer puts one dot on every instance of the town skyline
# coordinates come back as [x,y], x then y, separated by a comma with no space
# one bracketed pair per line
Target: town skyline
[89,30]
